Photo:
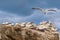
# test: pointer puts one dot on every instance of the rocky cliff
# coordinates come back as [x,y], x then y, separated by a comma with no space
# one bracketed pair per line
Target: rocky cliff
[28,31]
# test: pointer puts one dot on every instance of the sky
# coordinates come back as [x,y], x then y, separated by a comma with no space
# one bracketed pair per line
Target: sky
[21,11]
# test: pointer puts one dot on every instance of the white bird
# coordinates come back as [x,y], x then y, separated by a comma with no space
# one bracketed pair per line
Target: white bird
[44,10]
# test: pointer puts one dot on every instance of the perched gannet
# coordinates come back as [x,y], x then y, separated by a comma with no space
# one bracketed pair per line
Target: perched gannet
[44,10]
[44,22]
[29,24]
[11,24]
[23,24]
[8,24]
[5,23]
[16,23]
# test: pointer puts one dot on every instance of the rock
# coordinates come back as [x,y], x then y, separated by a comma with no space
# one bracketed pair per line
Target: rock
[30,31]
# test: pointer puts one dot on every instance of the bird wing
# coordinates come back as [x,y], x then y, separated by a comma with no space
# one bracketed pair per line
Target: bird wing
[37,9]
[52,10]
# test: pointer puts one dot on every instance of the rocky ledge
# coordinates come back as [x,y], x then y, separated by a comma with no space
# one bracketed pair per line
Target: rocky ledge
[28,31]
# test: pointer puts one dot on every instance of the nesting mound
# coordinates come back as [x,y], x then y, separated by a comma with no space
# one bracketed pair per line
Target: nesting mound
[28,31]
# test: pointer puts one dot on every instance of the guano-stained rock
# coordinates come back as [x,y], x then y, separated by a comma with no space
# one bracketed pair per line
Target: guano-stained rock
[43,31]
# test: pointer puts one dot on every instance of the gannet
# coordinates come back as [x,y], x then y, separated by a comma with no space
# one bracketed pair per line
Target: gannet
[44,10]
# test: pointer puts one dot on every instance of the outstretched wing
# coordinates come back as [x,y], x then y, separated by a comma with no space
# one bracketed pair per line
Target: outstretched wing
[37,9]
[52,10]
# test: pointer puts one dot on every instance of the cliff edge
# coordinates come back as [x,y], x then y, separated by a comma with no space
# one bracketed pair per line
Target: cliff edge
[28,31]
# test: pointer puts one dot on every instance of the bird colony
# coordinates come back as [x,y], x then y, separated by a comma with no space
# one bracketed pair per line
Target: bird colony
[28,31]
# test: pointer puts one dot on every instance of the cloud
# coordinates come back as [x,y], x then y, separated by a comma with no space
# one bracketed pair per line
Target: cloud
[10,17]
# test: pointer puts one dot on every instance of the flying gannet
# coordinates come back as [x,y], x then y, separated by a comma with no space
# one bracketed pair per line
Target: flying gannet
[44,10]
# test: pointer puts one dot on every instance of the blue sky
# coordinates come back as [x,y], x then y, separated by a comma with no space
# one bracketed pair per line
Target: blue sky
[20,11]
